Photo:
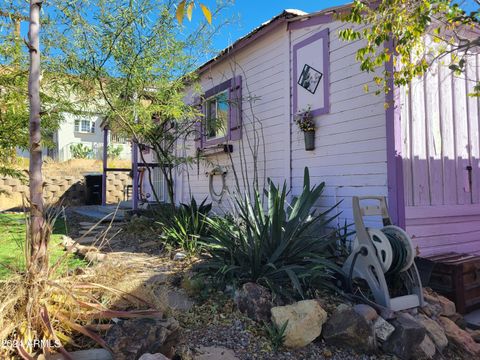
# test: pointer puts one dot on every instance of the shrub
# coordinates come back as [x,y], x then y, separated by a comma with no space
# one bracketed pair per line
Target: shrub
[114,152]
[285,247]
[80,151]
[187,227]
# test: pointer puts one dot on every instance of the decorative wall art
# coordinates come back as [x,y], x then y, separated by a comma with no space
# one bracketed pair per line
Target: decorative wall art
[311,74]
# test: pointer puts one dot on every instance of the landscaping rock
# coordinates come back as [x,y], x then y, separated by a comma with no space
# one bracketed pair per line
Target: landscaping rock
[447,307]
[406,338]
[179,256]
[383,329]
[434,330]
[305,320]
[214,353]
[475,334]
[459,337]
[426,349]
[130,339]
[255,301]
[346,328]
[368,313]
[158,356]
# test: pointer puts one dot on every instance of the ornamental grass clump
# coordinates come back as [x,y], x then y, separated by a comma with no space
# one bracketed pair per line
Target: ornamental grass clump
[284,246]
[187,227]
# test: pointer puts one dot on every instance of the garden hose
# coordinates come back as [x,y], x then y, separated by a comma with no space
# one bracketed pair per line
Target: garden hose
[217,196]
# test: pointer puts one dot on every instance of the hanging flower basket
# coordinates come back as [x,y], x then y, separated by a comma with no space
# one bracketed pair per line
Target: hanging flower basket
[306,124]
[309,140]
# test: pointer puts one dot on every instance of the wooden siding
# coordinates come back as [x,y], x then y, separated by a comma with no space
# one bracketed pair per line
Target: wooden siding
[263,66]
[440,133]
[350,141]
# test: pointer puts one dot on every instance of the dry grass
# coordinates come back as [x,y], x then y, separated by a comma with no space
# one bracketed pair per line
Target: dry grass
[55,309]
[75,166]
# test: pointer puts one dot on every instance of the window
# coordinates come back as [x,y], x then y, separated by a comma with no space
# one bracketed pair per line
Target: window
[222,110]
[216,116]
[85,126]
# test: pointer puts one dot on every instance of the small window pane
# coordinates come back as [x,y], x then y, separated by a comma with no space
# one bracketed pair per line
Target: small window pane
[217,116]
[77,125]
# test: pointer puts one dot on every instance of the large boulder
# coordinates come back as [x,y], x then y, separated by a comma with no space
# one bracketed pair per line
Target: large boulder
[255,301]
[406,338]
[130,339]
[434,330]
[305,320]
[347,328]
[459,337]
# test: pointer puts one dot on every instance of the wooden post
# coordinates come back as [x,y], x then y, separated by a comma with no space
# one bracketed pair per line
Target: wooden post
[135,175]
[105,166]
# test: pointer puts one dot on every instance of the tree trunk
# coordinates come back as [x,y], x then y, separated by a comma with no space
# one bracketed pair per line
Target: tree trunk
[37,241]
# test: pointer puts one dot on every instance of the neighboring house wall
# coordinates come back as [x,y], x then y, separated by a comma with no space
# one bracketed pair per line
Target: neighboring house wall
[440,137]
[67,136]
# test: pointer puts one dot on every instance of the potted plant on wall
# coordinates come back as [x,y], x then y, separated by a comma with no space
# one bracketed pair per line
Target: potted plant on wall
[304,120]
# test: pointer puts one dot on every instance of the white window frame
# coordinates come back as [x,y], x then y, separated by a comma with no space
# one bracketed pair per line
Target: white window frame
[84,126]
[208,101]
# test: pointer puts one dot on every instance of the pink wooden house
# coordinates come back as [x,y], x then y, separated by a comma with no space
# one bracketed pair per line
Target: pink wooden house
[422,151]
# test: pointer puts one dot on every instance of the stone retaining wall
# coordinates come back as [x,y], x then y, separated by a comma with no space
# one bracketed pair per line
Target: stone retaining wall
[61,187]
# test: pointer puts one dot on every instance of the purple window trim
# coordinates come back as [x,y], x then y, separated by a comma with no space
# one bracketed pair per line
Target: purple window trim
[324,34]
[226,85]
[209,93]
[396,195]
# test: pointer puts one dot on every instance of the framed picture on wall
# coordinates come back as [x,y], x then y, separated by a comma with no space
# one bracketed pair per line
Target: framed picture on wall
[310,78]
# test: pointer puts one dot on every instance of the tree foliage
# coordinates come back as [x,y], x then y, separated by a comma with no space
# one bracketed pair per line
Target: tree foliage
[404,24]
[55,89]
[138,59]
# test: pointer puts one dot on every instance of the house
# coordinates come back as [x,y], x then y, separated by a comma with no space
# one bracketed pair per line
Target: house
[84,129]
[421,151]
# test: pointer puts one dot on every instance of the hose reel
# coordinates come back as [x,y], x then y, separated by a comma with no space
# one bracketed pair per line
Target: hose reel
[378,254]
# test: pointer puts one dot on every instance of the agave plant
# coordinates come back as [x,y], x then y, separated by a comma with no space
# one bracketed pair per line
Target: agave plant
[187,226]
[286,246]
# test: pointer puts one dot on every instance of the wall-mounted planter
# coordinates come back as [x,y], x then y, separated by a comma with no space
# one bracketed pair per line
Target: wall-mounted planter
[309,140]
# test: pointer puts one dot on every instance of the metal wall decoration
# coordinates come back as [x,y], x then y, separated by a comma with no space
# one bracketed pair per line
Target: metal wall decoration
[310,78]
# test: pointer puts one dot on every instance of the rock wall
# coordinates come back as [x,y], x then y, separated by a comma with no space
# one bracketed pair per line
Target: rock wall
[59,186]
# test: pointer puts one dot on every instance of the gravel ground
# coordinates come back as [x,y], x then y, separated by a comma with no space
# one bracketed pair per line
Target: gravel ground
[248,346]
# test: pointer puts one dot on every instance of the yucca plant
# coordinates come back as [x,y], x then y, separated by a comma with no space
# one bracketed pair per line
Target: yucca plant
[283,246]
[187,226]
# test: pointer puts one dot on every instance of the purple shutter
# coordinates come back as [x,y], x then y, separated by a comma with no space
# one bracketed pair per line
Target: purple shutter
[235,113]
[197,103]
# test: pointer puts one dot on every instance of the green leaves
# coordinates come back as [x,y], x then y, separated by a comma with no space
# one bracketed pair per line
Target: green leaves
[180,13]
[410,24]
[285,246]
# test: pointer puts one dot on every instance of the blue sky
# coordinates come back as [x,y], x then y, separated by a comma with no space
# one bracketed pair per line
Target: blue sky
[248,14]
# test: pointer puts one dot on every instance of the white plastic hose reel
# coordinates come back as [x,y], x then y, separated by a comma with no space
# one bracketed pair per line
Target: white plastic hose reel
[376,252]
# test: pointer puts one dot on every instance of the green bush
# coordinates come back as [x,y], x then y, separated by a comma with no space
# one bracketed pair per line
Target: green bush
[285,247]
[80,151]
[113,152]
[187,227]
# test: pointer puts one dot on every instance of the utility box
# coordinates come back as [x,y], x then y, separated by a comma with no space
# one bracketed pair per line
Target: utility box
[455,276]
[93,185]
